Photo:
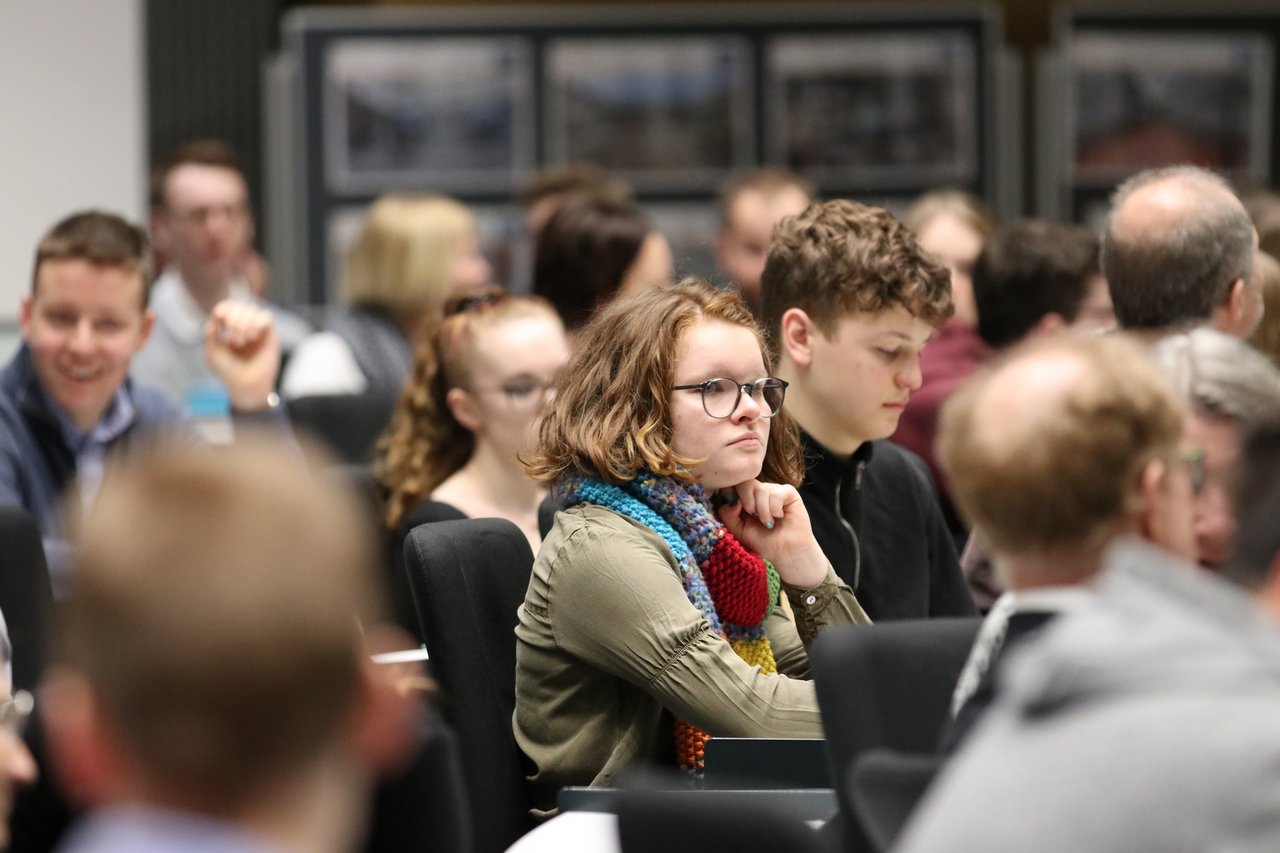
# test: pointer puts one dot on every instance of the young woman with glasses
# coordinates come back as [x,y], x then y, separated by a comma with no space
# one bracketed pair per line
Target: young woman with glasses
[653,618]
[469,410]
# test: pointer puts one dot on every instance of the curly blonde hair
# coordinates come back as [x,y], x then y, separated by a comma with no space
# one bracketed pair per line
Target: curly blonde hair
[612,414]
[425,444]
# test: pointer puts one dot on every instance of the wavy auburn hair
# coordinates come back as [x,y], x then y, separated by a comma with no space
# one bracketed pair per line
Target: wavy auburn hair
[611,416]
[425,444]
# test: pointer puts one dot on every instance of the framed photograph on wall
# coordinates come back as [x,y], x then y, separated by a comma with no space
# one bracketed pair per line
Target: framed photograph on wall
[662,113]
[869,110]
[1141,99]
[447,114]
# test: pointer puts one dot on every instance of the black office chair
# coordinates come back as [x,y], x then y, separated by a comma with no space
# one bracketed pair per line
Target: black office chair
[26,593]
[885,686]
[884,787]
[349,424]
[468,579]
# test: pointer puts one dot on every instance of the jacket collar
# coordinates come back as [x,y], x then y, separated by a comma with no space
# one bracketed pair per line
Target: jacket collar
[826,467]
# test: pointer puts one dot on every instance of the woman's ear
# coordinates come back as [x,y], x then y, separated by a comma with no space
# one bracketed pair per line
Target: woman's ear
[462,404]
[796,332]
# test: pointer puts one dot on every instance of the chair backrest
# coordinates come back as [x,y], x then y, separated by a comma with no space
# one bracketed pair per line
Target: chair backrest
[26,593]
[348,423]
[884,787]
[698,821]
[887,685]
[468,579]
[757,762]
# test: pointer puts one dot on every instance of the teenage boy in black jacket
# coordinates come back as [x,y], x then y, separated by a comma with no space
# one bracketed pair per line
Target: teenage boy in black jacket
[850,300]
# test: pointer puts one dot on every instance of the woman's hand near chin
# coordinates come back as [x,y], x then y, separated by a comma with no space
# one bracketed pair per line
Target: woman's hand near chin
[770,519]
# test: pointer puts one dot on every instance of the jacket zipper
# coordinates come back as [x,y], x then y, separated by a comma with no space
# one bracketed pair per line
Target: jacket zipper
[857,547]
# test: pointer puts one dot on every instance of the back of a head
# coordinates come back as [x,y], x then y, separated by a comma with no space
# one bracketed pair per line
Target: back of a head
[1043,451]
[583,254]
[1029,268]
[840,257]
[1176,240]
[400,261]
[215,613]
[573,180]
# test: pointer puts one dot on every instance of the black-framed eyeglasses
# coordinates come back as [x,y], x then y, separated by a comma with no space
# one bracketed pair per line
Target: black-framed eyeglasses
[721,396]
[15,711]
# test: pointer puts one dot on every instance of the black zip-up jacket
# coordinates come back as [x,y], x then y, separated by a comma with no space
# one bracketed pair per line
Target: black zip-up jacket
[876,516]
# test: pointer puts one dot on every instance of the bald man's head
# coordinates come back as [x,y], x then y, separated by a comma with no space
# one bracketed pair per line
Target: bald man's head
[1045,450]
[1177,241]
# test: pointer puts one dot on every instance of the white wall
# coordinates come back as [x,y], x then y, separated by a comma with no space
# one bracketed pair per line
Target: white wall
[72,121]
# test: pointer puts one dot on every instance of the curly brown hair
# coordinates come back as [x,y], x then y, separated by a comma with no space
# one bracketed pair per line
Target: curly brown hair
[612,413]
[838,257]
[425,444]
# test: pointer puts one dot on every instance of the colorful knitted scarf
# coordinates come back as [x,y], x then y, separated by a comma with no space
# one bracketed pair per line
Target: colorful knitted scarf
[732,587]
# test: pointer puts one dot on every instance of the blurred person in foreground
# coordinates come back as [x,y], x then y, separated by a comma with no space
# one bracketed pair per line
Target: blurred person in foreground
[1058,451]
[1144,722]
[211,687]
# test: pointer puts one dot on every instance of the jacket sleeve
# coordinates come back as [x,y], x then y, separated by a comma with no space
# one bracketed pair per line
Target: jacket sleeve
[615,601]
[830,603]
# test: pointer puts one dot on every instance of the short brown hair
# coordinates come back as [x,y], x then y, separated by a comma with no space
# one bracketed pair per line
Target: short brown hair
[767,180]
[1064,470]
[964,206]
[572,180]
[100,238]
[583,254]
[215,611]
[612,413]
[425,444]
[199,152]
[839,257]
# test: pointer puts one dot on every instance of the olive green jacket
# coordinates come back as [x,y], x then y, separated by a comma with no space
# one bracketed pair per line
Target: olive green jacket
[608,641]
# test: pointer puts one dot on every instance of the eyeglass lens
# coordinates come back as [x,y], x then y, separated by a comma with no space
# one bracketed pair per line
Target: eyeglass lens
[720,397]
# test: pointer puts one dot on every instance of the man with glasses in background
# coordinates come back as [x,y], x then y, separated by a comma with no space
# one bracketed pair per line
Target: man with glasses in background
[850,300]
[202,227]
